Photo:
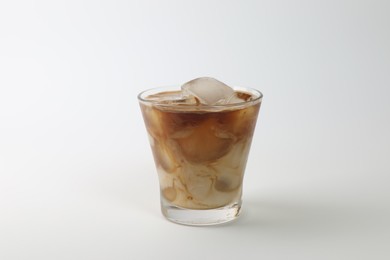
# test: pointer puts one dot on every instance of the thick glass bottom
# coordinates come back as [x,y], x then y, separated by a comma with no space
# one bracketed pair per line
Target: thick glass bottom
[200,217]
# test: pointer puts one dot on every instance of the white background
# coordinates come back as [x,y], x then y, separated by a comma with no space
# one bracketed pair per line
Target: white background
[77,180]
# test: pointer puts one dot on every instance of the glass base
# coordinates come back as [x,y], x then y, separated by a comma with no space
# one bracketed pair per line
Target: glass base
[200,217]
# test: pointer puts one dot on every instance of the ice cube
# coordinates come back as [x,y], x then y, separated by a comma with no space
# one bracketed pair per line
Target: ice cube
[166,96]
[164,156]
[198,181]
[214,144]
[173,98]
[209,91]
[239,97]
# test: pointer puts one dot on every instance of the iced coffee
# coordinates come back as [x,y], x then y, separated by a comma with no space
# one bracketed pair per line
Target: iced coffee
[200,137]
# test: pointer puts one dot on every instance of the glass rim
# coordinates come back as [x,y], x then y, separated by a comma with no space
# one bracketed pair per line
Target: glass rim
[257,98]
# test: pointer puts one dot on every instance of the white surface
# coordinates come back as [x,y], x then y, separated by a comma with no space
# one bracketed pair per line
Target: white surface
[76,174]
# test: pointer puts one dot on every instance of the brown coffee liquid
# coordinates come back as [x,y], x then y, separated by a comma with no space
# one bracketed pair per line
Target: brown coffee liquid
[200,152]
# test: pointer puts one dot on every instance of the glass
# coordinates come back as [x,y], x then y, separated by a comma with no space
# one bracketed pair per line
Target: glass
[200,153]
